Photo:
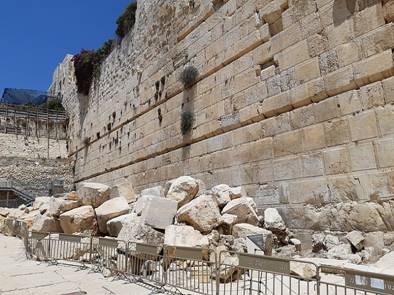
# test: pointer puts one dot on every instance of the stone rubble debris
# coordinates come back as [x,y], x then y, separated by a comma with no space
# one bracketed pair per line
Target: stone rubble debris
[222,220]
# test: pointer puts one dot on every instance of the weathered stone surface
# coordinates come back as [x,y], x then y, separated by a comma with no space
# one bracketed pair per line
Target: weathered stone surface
[157,191]
[135,230]
[73,196]
[111,209]
[159,212]
[39,201]
[273,221]
[303,270]
[79,220]
[57,206]
[224,193]
[244,208]
[93,194]
[356,239]
[202,213]
[125,190]
[29,218]
[227,222]
[142,202]
[243,230]
[184,236]
[115,225]
[183,190]
[375,240]
[46,224]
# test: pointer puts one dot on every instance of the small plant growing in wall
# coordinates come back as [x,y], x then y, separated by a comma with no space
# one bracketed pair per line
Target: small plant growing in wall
[187,120]
[189,76]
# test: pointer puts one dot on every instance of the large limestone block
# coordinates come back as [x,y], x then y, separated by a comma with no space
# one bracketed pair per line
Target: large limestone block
[46,224]
[142,202]
[159,212]
[225,193]
[111,209]
[125,190]
[78,220]
[184,236]
[183,190]
[273,221]
[356,239]
[39,201]
[94,194]
[243,230]
[157,191]
[135,230]
[202,213]
[57,206]
[29,218]
[115,225]
[244,208]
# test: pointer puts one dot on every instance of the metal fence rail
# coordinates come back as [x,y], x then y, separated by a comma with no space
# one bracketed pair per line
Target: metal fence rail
[203,272]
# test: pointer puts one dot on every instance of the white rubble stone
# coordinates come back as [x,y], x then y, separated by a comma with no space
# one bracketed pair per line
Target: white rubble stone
[227,222]
[159,212]
[244,208]
[157,191]
[375,240]
[202,213]
[73,196]
[184,236]
[303,270]
[79,220]
[142,202]
[330,241]
[183,190]
[135,230]
[94,194]
[111,209]
[273,221]
[356,239]
[115,225]
[125,190]
[46,224]
[224,193]
[57,206]
[243,230]
[39,201]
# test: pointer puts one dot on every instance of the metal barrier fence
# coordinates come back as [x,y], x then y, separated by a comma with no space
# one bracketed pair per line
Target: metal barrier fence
[203,272]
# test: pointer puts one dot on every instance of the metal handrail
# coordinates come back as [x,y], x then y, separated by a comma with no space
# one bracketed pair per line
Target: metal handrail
[16,187]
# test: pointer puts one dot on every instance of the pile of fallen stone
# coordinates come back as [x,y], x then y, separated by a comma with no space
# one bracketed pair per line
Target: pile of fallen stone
[182,213]
[355,246]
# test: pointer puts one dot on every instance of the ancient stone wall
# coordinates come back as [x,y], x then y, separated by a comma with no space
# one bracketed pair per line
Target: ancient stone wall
[294,101]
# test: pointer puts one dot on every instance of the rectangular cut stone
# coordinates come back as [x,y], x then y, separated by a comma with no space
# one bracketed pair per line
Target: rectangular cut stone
[312,165]
[340,81]
[372,95]
[385,118]
[385,152]
[337,132]
[289,143]
[336,161]
[313,137]
[363,126]
[293,55]
[159,212]
[362,157]
[287,168]
[388,87]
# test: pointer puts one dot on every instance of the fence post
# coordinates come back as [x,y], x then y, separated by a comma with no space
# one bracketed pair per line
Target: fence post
[49,247]
[318,280]
[217,273]
[91,249]
[127,257]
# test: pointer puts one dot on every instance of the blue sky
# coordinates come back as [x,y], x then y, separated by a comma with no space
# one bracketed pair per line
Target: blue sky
[35,35]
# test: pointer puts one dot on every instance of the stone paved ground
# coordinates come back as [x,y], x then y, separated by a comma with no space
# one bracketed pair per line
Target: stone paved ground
[21,276]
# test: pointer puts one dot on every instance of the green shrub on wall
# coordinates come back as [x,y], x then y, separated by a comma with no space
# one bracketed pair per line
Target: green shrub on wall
[126,21]
[87,65]
[189,76]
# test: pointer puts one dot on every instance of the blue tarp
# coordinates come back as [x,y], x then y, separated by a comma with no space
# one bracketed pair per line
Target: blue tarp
[23,96]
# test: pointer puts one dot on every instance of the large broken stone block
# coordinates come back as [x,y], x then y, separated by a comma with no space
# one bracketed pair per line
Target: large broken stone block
[244,208]
[159,212]
[115,225]
[227,222]
[111,209]
[184,236]
[183,190]
[94,194]
[243,230]
[142,202]
[46,224]
[225,193]
[202,213]
[79,220]
[156,191]
[125,190]
[273,221]
[29,218]
[57,206]
[39,201]
[135,230]
[356,239]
